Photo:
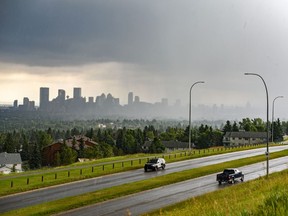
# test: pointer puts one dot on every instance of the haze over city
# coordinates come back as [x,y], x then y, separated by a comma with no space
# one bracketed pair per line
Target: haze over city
[156,49]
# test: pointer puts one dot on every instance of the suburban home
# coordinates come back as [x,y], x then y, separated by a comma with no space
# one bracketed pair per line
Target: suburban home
[49,152]
[244,138]
[10,162]
[171,145]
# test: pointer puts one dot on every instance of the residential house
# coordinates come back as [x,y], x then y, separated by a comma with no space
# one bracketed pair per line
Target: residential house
[244,138]
[10,162]
[49,152]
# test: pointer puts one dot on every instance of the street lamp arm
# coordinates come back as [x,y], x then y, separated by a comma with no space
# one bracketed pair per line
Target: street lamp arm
[190,111]
[267,151]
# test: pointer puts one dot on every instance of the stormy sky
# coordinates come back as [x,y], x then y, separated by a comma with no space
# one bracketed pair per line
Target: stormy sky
[156,49]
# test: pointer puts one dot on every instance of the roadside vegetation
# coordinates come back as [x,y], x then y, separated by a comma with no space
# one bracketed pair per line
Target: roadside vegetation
[126,189]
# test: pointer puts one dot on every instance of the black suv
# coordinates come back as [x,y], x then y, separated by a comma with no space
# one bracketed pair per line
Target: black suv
[155,164]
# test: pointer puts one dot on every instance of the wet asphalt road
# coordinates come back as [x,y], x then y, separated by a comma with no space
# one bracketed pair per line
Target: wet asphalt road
[158,198]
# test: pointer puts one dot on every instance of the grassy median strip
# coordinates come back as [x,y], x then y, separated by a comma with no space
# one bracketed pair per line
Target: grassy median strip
[131,188]
[44,178]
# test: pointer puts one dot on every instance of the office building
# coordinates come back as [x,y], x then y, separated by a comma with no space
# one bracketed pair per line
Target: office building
[130,98]
[44,98]
[76,93]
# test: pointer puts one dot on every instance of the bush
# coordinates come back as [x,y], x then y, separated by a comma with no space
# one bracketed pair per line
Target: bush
[276,204]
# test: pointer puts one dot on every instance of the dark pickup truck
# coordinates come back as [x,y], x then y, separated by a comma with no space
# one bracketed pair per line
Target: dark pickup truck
[230,175]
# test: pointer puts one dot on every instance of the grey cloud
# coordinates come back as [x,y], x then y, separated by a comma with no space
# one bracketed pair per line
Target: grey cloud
[70,32]
[192,38]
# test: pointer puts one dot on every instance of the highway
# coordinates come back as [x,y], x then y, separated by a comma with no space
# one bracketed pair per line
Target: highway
[21,200]
[158,198]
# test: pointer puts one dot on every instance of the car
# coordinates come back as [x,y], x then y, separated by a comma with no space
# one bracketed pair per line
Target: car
[229,175]
[155,164]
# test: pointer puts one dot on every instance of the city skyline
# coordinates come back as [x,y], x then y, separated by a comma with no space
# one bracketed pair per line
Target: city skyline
[155,49]
[104,105]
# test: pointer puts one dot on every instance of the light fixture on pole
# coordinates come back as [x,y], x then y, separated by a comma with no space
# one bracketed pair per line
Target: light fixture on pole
[190,112]
[272,130]
[267,138]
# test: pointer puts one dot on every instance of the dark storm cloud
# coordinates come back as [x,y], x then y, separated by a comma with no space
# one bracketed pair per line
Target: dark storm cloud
[76,32]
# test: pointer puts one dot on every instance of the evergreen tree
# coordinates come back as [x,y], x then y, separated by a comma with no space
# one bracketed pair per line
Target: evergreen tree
[156,146]
[35,157]
[277,131]
[57,159]
[130,145]
[9,144]
[227,127]
[81,148]
[235,127]
[25,148]
[67,155]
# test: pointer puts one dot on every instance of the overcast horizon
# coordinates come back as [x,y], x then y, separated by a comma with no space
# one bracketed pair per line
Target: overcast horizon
[155,49]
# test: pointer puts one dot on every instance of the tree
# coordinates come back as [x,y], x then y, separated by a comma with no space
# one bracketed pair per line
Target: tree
[90,133]
[227,127]
[44,139]
[9,144]
[120,138]
[108,138]
[156,146]
[235,127]
[67,155]
[130,145]
[247,125]
[81,148]
[149,133]
[25,148]
[35,157]
[57,159]
[107,150]
[277,131]
[259,124]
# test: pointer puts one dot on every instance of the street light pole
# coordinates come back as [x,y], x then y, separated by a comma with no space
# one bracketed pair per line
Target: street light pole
[190,112]
[267,138]
[272,131]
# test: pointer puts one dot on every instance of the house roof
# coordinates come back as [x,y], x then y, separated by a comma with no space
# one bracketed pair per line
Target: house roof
[69,142]
[10,158]
[246,134]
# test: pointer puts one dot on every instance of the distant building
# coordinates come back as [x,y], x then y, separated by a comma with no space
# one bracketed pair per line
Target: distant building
[137,99]
[244,138]
[90,100]
[44,98]
[27,105]
[77,93]
[61,95]
[15,104]
[130,98]
[10,162]
[100,100]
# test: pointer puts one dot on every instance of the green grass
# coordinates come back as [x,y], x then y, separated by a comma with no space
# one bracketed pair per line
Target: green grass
[126,189]
[30,180]
[261,197]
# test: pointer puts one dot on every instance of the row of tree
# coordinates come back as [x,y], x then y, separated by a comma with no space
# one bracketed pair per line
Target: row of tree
[122,141]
